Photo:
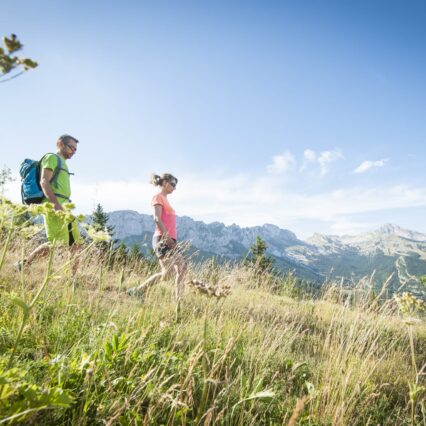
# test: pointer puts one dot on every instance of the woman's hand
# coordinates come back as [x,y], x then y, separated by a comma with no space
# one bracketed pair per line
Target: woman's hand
[170,242]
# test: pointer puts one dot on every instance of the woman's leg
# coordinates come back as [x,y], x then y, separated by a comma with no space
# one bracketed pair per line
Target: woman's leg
[149,282]
[165,272]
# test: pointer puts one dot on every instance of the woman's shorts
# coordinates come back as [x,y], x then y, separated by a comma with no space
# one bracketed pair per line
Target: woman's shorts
[160,246]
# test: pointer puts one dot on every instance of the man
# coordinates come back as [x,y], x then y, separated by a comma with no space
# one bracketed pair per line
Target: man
[57,191]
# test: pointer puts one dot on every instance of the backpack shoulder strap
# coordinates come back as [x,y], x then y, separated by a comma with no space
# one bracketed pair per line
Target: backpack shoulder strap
[57,170]
[58,167]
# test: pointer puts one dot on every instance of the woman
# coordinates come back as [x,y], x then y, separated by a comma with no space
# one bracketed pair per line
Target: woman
[165,238]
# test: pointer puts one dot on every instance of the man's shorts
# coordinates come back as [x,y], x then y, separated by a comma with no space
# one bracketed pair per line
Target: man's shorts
[61,231]
[160,246]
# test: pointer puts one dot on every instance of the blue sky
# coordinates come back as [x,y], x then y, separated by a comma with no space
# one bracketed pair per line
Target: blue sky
[309,115]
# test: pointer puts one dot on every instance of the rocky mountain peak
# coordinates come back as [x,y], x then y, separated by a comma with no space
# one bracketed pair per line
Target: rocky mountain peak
[390,228]
[382,251]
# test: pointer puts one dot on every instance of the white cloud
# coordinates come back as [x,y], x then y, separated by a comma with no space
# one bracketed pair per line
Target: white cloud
[281,163]
[249,200]
[309,155]
[327,157]
[367,165]
[323,159]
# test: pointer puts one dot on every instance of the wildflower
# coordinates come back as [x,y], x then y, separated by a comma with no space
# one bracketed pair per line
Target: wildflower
[209,290]
[29,232]
[411,321]
[80,218]
[47,207]
[409,304]
[97,236]
[36,209]
[68,206]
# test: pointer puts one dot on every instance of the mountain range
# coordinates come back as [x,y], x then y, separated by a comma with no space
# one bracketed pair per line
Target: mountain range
[389,253]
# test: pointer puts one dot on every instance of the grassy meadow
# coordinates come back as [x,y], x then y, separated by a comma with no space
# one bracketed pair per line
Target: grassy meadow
[75,349]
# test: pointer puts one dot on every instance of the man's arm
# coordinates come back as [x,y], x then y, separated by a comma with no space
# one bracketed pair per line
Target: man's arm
[46,177]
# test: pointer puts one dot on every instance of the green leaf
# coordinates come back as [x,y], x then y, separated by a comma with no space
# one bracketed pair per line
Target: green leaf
[29,63]
[266,396]
[19,302]
[61,398]
[310,388]
[6,391]
[12,44]
[297,366]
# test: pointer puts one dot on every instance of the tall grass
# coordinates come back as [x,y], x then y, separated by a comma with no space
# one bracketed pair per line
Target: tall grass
[88,354]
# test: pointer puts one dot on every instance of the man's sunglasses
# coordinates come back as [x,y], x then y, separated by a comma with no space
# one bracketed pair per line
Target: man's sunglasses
[70,147]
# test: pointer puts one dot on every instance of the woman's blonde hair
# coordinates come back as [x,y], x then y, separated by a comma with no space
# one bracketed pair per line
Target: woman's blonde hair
[157,180]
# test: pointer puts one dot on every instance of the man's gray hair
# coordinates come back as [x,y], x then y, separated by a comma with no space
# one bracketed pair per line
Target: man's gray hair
[67,138]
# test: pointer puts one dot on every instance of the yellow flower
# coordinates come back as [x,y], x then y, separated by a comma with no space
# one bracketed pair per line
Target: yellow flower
[411,321]
[98,236]
[68,206]
[29,232]
[80,218]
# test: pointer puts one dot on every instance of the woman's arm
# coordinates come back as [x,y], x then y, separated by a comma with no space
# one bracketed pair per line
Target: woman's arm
[158,210]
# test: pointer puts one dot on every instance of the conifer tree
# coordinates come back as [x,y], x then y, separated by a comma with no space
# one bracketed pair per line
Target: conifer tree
[100,223]
[5,178]
[100,220]
[135,252]
[121,254]
[258,259]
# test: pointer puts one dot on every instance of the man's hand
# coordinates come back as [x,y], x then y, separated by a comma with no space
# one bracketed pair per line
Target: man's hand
[46,177]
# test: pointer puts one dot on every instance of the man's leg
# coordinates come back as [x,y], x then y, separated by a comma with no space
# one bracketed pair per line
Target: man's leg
[39,252]
[74,240]
[42,250]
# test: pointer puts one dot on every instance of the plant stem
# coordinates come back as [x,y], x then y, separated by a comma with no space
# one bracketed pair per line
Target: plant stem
[100,278]
[18,338]
[47,277]
[22,267]
[414,372]
[204,363]
[9,236]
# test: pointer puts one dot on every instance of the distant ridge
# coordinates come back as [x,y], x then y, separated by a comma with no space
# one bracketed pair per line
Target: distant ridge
[350,257]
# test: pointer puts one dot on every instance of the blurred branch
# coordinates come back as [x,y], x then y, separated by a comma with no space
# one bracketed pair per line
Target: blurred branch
[10,62]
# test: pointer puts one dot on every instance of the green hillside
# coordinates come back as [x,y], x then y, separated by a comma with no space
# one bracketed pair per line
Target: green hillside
[75,349]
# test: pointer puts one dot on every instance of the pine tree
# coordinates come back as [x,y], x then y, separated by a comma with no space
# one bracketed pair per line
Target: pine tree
[121,254]
[135,252]
[100,220]
[5,178]
[100,223]
[258,259]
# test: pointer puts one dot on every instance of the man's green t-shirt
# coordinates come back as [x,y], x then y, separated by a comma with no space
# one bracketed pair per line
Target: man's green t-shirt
[62,185]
